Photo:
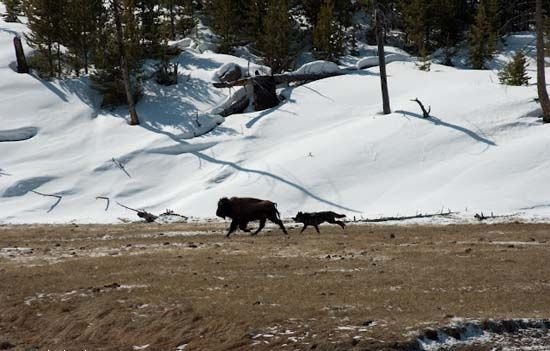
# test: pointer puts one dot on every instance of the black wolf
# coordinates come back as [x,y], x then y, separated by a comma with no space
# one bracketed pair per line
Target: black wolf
[316,218]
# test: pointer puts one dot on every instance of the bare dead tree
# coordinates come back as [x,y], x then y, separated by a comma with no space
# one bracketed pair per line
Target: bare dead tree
[134,120]
[380,39]
[425,113]
[541,76]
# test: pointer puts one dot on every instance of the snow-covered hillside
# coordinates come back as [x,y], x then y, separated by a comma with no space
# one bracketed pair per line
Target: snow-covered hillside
[326,147]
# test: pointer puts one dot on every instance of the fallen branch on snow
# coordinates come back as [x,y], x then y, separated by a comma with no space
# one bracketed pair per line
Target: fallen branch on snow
[121,166]
[149,217]
[106,199]
[404,218]
[482,217]
[59,197]
[425,113]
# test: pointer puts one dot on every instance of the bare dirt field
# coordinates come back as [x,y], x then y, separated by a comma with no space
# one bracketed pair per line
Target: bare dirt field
[185,286]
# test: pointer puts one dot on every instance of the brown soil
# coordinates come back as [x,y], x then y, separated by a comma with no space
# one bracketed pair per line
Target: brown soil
[113,287]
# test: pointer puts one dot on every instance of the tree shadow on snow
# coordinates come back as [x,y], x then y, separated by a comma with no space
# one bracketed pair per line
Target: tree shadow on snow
[195,149]
[273,177]
[461,129]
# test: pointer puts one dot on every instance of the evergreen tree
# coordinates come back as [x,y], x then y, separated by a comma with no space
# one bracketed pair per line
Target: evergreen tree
[46,19]
[415,18]
[83,20]
[111,58]
[514,73]
[254,18]
[13,8]
[278,31]
[328,34]
[424,63]
[225,20]
[482,38]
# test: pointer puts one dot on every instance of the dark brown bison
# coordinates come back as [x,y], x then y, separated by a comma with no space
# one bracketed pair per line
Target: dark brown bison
[245,209]
[316,218]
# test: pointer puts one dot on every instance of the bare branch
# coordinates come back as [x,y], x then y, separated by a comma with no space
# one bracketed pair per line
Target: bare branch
[121,166]
[425,112]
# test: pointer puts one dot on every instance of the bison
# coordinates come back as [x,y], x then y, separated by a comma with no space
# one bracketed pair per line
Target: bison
[245,209]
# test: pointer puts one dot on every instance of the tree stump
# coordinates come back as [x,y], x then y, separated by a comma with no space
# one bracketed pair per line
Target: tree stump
[22,66]
[265,95]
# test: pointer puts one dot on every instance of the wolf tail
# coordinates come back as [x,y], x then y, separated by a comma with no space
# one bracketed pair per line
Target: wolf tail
[337,215]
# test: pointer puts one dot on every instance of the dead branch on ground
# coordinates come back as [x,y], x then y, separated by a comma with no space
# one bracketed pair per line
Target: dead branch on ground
[425,113]
[404,218]
[106,199]
[121,166]
[148,217]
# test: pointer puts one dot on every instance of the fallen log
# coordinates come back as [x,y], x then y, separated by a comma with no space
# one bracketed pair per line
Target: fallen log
[264,87]
[278,78]
[148,217]
[404,218]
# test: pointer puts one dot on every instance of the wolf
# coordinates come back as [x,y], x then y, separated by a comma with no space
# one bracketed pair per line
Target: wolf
[316,218]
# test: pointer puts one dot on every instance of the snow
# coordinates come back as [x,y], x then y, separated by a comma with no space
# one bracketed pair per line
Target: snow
[372,61]
[327,147]
[318,67]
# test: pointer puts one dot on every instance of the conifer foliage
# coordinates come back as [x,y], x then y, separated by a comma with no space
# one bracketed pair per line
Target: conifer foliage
[515,72]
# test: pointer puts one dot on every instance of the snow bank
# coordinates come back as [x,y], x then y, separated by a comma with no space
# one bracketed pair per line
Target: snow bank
[372,61]
[318,67]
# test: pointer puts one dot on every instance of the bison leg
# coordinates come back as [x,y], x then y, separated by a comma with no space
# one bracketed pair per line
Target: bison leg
[304,228]
[276,220]
[317,228]
[232,227]
[243,226]
[262,225]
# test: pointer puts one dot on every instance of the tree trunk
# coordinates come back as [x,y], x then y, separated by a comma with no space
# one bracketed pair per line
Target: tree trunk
[380,33]
[172,21]
[541,76]
[22,66]
[134,120]
[265,95]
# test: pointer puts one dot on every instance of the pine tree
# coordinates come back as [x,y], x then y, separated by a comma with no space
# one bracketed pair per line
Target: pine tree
[254,18]
[83,20]
[45,21]
[424,63]
[224,17]
[328,34]
[482,39]
[415,18]
[278,31]
[13,8]
[514,73]
[119,51]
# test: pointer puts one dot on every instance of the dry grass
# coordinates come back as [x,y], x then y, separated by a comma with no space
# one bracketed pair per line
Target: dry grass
[354,290]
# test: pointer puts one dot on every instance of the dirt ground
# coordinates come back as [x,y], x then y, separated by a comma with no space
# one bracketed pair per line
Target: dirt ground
[185,286]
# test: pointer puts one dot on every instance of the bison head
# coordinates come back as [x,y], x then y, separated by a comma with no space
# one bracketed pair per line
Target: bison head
[224,208]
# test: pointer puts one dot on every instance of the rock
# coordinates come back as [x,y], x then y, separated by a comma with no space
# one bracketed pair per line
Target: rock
[6,345]
[229,72]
